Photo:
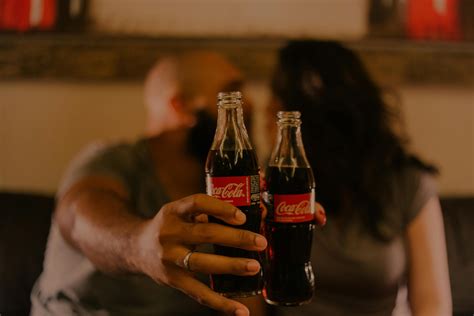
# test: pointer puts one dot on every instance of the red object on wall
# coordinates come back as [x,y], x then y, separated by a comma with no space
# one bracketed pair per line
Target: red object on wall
[2,10]
[17,15]
[49,15]
[433,19]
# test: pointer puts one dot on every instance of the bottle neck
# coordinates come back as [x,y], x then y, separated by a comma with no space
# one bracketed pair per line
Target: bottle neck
[289,150]
[231,133]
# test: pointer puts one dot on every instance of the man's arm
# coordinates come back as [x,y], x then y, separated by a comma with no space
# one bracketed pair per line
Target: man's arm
[94,217]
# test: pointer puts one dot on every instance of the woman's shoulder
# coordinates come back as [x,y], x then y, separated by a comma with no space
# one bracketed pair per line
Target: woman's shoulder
[413,186]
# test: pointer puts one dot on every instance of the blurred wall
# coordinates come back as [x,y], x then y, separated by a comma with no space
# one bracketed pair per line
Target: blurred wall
[44,124]
[343,19]
[440,121]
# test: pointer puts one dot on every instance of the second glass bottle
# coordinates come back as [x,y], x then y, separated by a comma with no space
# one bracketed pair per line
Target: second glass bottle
[289,226]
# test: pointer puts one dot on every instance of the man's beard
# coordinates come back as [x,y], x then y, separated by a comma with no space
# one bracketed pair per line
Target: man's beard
[201,135]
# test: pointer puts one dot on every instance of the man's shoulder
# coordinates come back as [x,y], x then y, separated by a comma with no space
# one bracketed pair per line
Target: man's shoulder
[109,150]
[113,158]
[101,147]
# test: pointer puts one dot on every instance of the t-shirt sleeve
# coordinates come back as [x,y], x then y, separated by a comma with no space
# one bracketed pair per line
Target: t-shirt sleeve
[114,161]
[423,187]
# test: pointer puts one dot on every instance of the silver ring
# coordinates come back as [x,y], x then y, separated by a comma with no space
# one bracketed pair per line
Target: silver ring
[186,260]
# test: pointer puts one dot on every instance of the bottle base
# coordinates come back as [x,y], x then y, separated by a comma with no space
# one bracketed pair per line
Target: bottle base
[241,294]
[288,304]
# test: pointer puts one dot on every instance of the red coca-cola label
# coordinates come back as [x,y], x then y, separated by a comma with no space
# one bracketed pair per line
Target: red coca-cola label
[293,208]
[235,190]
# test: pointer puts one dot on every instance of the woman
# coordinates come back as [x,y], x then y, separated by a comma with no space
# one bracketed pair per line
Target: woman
[384,225]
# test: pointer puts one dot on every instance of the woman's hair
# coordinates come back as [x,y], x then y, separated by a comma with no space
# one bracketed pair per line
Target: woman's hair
[347,127]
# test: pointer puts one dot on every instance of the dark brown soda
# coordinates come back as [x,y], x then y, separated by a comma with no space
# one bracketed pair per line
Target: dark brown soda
[289,279]
[227,164]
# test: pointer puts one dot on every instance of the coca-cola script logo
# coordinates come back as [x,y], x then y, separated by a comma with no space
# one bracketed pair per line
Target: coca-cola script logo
[230,191]
[293,209]
[234,190]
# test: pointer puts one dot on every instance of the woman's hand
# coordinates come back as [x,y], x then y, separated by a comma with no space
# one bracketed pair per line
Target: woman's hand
[320,215]
[164,241]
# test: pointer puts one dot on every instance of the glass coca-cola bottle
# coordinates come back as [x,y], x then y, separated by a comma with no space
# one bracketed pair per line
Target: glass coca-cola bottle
[289,224]
[232,175]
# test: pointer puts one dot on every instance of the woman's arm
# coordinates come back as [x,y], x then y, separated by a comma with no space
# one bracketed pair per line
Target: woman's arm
[428,281]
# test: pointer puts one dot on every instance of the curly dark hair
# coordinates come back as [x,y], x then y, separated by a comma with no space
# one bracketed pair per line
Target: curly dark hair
[347,127]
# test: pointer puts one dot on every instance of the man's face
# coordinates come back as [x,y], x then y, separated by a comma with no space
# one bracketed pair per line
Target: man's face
[202,133]
[209,103]
[203,76]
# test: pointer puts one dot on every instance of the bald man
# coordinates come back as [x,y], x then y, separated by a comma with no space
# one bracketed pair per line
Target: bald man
[118,244]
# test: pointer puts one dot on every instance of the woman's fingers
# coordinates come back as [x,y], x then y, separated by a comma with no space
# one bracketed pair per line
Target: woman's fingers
[320,215]
[205,296]
[197,204]
[212,233]
[215,264]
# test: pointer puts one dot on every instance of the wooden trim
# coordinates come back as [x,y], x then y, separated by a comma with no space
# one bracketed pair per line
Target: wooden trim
[94,57]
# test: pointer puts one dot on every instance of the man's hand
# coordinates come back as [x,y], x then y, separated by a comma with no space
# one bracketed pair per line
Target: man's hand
[163,242]
[94,217]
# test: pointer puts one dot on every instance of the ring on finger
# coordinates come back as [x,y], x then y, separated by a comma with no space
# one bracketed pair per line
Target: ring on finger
[186,260]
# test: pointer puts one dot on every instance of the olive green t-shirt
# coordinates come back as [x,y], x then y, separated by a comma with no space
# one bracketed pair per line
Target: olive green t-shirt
[356,274]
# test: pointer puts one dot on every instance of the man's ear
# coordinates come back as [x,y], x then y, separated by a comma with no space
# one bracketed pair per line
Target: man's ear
[177,103]
[178,106]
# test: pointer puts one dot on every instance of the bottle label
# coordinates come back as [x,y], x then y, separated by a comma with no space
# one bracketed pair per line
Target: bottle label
[293,208]
[238,191]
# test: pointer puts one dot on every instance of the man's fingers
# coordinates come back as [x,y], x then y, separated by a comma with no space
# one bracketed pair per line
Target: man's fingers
[212,233]
[215,264]
[203,204]
[201,218]
[205,296]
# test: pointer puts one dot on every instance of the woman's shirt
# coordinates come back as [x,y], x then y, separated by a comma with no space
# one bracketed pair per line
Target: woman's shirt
[357,273]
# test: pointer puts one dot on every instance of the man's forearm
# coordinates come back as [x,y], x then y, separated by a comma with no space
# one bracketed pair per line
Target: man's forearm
[99,224]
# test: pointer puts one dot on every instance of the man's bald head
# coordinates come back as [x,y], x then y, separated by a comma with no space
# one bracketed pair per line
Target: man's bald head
[180,85]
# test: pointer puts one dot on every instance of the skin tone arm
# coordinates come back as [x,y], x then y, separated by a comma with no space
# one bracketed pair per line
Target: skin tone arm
[428,284]
[94,217]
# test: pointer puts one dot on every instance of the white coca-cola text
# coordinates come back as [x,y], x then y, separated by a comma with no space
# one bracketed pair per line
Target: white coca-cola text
[293,209]
[230,191]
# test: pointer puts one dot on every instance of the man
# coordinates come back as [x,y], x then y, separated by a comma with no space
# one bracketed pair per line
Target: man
[117,244]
